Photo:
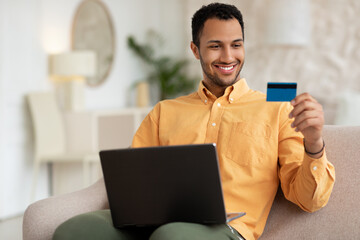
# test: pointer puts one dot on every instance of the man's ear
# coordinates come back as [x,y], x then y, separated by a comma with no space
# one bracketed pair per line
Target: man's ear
[195,50]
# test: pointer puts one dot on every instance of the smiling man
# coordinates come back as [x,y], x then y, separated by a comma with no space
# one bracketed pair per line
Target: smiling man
[221,53]
[259,143]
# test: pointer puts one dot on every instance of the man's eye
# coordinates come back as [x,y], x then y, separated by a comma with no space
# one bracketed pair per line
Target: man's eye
[215,46]
[237,45]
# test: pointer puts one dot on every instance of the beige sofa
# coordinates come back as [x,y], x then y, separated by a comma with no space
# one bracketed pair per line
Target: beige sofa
[340,219]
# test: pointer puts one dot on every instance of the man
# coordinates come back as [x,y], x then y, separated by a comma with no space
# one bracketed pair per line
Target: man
[258,143]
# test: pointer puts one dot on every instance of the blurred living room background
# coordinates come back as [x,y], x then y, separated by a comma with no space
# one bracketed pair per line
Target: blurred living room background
[46,44]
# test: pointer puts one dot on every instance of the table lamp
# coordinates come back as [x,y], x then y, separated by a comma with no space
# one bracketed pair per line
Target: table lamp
[69,71]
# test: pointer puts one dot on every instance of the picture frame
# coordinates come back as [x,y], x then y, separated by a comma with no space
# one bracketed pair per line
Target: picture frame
[93,30]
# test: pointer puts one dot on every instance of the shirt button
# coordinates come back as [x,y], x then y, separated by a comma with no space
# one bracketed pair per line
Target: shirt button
[219,105]
[315,168]
[213,124]
[231,99]
[205,101]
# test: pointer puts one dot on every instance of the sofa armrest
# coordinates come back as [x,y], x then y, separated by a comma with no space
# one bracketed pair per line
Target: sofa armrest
[340,218]
[43,217]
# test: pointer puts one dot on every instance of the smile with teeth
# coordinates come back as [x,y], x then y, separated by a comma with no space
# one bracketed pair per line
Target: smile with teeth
[227,68]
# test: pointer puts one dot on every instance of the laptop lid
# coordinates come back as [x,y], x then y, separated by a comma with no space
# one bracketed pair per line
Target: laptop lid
[158,185]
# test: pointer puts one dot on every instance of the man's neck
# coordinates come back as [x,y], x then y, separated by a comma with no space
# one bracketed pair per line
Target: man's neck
[215,90]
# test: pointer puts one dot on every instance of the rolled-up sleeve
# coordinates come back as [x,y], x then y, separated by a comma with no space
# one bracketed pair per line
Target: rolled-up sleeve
[306,181]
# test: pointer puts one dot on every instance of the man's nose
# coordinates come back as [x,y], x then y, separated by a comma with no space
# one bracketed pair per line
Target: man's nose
[226,55]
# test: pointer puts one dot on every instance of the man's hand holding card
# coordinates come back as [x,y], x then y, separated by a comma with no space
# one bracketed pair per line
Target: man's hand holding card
[309,120]
[307,113]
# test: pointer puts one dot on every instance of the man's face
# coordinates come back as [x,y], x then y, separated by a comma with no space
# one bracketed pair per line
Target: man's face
[221,52]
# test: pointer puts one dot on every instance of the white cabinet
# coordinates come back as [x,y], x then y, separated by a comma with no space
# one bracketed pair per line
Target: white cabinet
[94,131]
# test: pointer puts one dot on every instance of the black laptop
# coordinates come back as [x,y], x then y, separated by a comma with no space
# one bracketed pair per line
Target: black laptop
[157,185]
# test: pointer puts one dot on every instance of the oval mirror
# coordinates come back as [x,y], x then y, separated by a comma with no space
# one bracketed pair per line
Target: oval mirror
[93,30]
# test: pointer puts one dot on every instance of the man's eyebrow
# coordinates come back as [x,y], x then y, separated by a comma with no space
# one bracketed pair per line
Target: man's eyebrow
[214,41]
[218,41]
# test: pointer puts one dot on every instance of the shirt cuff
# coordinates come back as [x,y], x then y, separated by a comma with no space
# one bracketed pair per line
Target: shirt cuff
[315,167]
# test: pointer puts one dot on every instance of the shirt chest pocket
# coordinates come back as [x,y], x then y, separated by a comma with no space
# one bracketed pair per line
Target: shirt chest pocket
[248,143]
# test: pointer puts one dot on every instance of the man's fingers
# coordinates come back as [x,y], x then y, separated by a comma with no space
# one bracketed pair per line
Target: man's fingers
[308,117]
[304,116]
[302,97]
[305,106]
[309,122]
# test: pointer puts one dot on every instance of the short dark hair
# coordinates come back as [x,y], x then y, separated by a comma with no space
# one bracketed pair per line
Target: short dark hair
[214,10]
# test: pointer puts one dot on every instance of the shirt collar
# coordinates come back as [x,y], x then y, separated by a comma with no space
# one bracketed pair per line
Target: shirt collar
[233,93]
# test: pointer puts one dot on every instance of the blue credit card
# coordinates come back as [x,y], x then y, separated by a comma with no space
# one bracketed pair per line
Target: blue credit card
[281,91]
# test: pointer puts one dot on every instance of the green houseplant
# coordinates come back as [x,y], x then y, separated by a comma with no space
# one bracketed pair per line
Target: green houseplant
[166,72]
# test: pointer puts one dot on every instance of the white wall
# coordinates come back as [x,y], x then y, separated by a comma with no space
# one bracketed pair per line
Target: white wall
[21,57]
[29,31]
[1,106]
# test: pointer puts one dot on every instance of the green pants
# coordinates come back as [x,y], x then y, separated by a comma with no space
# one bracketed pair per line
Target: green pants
[98,225]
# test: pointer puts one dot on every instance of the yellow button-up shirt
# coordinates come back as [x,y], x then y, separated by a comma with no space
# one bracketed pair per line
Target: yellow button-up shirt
[256,146]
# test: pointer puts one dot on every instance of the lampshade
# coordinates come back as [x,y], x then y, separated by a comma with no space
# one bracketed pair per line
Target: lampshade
[68,70]
[75,63]
[288,22]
